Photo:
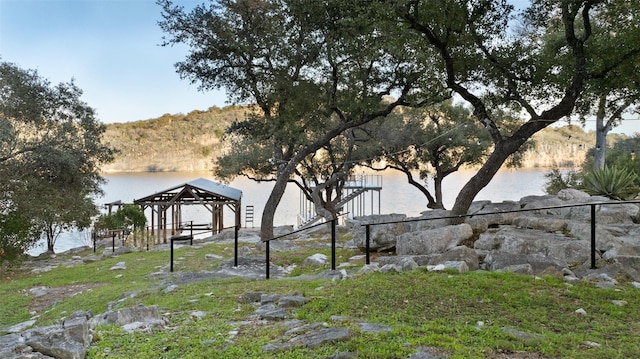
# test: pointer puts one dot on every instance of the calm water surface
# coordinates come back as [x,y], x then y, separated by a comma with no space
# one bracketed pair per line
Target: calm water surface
[397,196]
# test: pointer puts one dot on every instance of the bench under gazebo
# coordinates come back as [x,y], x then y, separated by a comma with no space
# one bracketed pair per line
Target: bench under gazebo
[209,194]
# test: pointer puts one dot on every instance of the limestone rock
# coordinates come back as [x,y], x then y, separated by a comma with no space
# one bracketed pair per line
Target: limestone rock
[311,339]
[119,266]
[389,268]
[540,264]
[460,253]
[382,237]
[271,312]
[571,194]
[458,266]
[317,259]
[430,220]
[498,213]
[292,301]
[433,241]
[67,341]
[144,316]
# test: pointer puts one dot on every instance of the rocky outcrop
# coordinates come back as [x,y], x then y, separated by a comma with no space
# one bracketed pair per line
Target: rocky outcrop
[537,235]
[71,338]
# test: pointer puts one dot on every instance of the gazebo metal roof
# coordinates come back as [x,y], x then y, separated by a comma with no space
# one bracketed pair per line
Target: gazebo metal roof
[198,191]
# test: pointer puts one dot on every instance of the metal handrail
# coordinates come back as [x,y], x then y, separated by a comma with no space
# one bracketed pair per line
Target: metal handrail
[333,242]
[593,222]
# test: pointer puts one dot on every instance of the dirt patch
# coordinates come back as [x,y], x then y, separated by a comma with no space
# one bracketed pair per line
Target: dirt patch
[46,297]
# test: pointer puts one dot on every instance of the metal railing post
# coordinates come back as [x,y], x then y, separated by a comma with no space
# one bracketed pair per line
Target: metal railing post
[593,236]
[235,248]
[171,260]
[267,253]
[367,261]
[333,244]
[113,241]
[94,241]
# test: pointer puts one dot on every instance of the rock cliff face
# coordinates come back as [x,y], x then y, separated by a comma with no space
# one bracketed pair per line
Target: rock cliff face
[548,155]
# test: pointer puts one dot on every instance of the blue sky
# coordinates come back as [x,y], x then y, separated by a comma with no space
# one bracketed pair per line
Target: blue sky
[111,49]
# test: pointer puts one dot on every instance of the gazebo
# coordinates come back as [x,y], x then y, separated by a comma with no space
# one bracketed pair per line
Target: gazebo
[212,195]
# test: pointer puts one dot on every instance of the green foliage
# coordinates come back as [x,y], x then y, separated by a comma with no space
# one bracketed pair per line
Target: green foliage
[557,181]
[612,182]
[15,238]
[50,154]
[128,216]
[434,142]
[170,138]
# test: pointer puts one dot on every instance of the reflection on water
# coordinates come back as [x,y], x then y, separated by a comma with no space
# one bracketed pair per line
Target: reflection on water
[397,195]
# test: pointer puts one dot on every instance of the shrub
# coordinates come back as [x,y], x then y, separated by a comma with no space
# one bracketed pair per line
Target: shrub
[556,181]
[617,183]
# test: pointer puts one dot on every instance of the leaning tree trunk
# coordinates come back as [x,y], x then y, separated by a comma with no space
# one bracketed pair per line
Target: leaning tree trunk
[502,151]
[269,212]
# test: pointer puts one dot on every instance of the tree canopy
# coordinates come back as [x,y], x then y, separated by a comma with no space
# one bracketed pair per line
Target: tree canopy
[492,65]
[315,70]
[50,153]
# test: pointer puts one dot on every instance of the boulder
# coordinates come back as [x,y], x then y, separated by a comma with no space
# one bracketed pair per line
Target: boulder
[541,223]
[407,264]
[381,237]
[433,241]
[506,239]
[478,224]
[533,202]
[282,230]
[317,259]
[525,269]
[67,341]
[617,213]
[571,194]
[458,266]
[534,242]
[498,213]
[390,268]
[540,264]
[625,250]
[582,213]
[430,220]
[134,317]
[608,272]
[459,254]
[604,239]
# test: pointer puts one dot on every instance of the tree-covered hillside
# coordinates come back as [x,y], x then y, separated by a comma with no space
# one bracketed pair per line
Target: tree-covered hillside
[171,142]
[190,142]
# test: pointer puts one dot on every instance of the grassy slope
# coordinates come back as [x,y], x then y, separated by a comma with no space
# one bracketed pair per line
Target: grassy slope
[424,308]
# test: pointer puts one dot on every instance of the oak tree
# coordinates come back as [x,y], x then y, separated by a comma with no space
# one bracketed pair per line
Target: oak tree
[313,70]
[50,156]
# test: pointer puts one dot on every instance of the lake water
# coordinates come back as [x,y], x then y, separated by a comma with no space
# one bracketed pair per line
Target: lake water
[397,196]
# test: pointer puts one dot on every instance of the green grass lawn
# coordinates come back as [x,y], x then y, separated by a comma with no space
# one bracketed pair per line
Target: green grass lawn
[463,315]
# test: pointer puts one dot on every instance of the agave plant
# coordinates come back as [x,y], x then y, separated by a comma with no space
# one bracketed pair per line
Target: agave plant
[613,182]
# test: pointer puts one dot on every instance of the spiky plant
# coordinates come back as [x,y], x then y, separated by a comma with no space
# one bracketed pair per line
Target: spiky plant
[617,183]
